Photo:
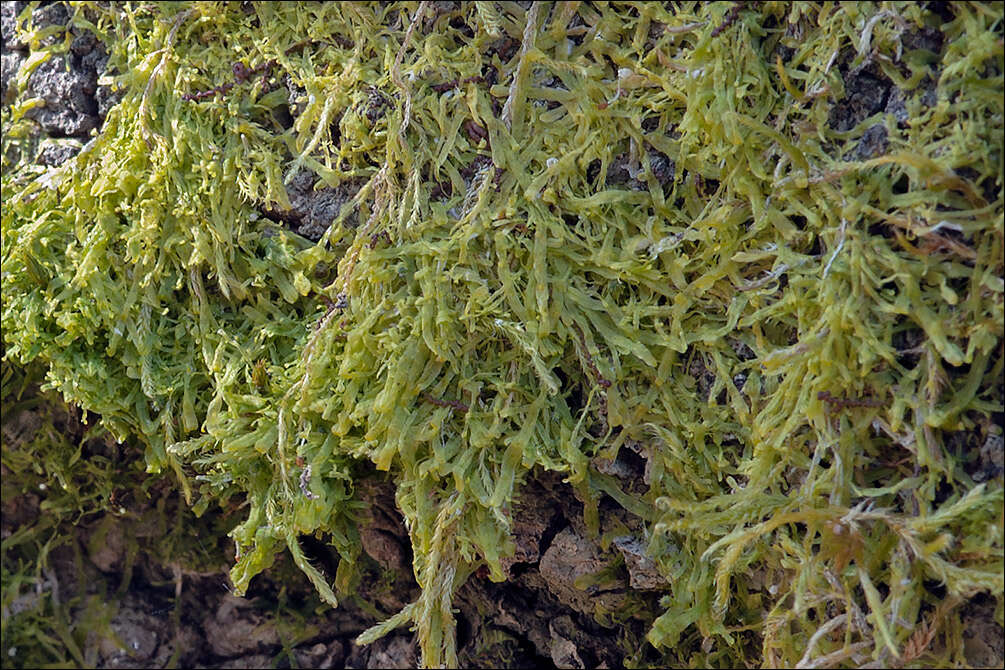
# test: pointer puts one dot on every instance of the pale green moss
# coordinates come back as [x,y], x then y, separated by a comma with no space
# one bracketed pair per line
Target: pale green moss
[551,307]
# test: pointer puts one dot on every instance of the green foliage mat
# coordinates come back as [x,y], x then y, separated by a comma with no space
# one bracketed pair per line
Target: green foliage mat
[569,229]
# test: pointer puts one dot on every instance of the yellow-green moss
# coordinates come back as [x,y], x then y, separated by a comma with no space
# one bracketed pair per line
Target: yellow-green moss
[560,299]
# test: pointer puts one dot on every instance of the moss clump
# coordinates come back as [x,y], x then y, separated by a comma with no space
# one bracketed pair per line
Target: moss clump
[579,226]
[70,494]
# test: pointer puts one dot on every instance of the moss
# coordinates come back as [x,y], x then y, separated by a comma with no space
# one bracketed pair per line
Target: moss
[564,210]
[74,500]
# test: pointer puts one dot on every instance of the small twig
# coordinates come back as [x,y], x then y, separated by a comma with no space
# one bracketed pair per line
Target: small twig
[242,73]
[686,28]
[827,268]
[456,404]
[845,402]
[836,657]
[731,16]
[825,629]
